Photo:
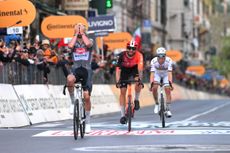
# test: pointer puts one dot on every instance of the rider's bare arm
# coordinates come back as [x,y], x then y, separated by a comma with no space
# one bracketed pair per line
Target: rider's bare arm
[118,72]
[151,78]
[140,66]
[170,76]
[87,41]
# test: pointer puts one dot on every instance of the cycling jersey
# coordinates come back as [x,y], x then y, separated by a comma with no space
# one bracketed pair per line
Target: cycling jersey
[81,56]
[128,62]
[129,66]
[161,70]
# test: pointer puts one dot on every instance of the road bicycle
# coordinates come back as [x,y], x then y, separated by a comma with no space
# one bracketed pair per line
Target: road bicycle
[162,102]
[79,116]
[130,104]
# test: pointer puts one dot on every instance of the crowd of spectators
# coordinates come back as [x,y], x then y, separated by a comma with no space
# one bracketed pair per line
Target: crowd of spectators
[42,54]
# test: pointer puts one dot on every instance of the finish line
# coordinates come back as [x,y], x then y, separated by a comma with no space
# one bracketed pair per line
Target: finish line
[61,133]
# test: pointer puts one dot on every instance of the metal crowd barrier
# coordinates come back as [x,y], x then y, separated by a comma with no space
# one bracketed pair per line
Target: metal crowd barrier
[16,73]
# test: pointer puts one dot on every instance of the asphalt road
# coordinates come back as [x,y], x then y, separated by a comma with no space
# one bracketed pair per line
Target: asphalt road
[196,126]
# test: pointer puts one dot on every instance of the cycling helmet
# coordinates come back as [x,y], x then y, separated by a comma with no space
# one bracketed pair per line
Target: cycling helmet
[132,45]
[161,52]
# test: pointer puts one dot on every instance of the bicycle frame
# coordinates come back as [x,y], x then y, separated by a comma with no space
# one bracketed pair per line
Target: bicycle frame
[79,97]
[129,104]
[162,103]
[79,112]
[79,116]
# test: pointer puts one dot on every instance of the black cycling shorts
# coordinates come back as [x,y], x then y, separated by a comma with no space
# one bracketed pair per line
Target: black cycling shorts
[127,73]
[86,76]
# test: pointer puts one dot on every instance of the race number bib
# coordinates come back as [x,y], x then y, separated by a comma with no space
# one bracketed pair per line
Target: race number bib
[80,54]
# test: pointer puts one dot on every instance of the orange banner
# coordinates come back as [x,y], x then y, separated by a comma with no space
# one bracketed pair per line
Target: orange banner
[61,26]
[198,70]
[16,13]
[115,40]
[175,55]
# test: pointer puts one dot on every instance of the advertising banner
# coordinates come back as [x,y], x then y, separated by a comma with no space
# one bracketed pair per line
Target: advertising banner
[62,101]
[11,110]
[115,40]
[175,55]
[16,13]
[38,104]
[196,70]
[61,26]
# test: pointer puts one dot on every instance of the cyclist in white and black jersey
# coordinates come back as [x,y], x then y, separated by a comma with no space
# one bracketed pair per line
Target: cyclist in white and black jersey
[81,50]
[161,68]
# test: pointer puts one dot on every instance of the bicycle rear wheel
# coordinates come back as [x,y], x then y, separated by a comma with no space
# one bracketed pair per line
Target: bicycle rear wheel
[82,125]
[76,119]
[129,116]
[162,111]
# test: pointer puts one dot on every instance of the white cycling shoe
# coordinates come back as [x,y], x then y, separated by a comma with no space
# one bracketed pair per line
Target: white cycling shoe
[87,128]
[156,109]
[168,114]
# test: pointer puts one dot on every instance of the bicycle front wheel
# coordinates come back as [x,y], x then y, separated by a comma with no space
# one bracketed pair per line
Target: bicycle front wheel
[82,125]
[76,119]
[162,111]
[129,116]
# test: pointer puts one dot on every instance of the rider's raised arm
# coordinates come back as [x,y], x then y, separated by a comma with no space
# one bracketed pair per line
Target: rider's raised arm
[72,42]
[74,39]
[88,42]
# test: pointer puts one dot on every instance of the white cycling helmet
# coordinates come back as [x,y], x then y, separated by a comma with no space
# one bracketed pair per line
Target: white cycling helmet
[161,51]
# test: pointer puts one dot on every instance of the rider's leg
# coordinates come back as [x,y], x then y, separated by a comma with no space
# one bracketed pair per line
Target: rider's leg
[155,96]
[123,90]
[123,100]
[87,106]
[167,90]
[87,93]
[154,92]
[168,96]
[138,88]
[70,83]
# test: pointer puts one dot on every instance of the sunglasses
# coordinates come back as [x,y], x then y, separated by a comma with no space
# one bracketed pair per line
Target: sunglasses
[131,48]
[161,56]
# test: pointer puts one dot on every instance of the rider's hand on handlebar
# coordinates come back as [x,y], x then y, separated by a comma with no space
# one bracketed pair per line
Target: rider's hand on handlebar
[140,83]
[171,86]
[118,84]
[151,86]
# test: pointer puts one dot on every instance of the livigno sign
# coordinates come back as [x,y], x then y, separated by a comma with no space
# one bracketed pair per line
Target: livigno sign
[16,13]
[101,23]
[61,26]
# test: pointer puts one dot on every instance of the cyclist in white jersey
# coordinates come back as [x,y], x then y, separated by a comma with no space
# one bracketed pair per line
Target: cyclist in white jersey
[81,50]
[161,68]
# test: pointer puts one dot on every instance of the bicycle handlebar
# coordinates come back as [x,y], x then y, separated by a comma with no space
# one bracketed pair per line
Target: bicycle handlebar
[130,81]
[76,86]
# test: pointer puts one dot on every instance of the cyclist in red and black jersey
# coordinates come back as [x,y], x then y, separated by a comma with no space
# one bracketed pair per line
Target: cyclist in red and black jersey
[130,64]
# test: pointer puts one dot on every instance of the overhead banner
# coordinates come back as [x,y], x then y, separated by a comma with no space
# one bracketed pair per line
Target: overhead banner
[196,70]
[76,5]
[16,13]
[101,23]
[175,55]
[115,40]
[61,26]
